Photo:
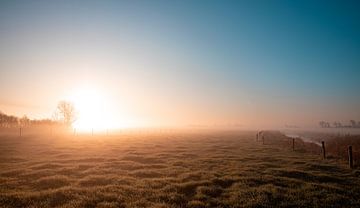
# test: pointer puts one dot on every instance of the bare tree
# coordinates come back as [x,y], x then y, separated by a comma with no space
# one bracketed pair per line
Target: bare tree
[340,125]
[335,124]
[8,120]
[24,121]
[327,125]
[66,111]
[324,124]
[353,123]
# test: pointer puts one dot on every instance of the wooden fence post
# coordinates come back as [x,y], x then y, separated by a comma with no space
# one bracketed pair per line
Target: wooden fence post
[323,149]
[350,157]
[263,139]
[293,144]
[20,132]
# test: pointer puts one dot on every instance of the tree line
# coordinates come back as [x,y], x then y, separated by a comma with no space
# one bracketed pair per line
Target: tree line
[65,114]
[336,124]
[9,121]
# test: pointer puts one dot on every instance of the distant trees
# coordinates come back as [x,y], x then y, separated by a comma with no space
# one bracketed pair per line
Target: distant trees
[66,112]
[353,124]
[324,124]
[337,124]
[8,121]
[24,121]
[44,122]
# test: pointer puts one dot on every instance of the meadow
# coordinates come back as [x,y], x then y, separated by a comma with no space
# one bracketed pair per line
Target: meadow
[169,169]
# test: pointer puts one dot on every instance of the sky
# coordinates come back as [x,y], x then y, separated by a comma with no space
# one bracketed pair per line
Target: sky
[152,63]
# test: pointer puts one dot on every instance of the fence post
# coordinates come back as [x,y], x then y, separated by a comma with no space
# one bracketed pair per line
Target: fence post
[350,157]
[263,139]
[323,149]
[293,144]
[20,131]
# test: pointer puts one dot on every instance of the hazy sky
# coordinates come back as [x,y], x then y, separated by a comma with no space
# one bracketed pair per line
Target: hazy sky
[267,63]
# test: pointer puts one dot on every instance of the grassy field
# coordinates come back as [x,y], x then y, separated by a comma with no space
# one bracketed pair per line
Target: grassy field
[203,169]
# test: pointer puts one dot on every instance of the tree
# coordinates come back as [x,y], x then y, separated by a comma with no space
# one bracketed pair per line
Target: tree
[8,121]
[24,121]
[66,111]
[336,124]
[353,123]
[324,124]
[327,125]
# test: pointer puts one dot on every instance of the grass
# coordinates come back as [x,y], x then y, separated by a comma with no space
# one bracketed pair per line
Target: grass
[336,144]
[204,169]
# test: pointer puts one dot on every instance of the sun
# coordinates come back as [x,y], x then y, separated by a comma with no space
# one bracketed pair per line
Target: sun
[93,110]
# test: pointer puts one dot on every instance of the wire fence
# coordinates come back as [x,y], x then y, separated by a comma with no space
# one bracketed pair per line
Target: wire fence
[342,147]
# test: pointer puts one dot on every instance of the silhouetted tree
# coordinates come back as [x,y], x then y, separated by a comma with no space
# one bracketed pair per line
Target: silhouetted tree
[8,121]
[353,123]
[24,121]
[44,122]
[327,125]
[337,124]
[324,124]
[66,112]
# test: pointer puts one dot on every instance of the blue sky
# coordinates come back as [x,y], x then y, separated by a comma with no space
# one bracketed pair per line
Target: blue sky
[249,62]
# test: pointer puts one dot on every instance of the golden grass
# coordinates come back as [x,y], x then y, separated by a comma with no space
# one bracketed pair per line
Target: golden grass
[208,169]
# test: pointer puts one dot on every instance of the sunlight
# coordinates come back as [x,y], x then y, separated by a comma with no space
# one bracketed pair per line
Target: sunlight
[94,111]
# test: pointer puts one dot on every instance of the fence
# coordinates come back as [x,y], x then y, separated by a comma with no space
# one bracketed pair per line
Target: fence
[59,130]
[344,147]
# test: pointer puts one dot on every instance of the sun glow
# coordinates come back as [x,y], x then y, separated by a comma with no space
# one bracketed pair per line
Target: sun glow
[94,111]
